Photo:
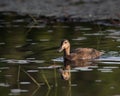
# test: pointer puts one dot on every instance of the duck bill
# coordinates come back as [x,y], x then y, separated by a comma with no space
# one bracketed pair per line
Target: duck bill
[60,50]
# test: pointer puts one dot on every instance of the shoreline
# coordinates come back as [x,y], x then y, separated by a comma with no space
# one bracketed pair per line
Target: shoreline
[85,9]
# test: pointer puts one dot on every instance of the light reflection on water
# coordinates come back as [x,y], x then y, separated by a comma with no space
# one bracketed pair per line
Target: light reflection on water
[30,63]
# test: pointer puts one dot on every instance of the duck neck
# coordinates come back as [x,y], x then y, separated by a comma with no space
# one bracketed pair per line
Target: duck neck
[67,51]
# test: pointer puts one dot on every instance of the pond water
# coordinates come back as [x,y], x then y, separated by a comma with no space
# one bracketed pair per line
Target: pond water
[30,64]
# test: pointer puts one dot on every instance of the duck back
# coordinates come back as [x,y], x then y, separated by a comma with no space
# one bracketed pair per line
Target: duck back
[86,53]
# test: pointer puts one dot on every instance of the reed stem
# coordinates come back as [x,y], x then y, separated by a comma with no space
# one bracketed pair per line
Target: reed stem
[44,77]
[33,18]
[18,78]
[32,78]
[55,74]
[35,91]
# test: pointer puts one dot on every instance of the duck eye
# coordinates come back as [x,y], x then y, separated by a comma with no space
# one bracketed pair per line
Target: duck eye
[65,42]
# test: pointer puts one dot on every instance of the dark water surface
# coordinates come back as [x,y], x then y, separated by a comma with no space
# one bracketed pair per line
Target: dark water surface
[30,63]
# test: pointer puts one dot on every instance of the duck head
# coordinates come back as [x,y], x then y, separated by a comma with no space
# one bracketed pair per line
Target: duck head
[65,72]
[65,46]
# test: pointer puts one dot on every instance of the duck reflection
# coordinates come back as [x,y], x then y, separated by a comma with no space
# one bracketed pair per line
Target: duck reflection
[65,72]
[68,65]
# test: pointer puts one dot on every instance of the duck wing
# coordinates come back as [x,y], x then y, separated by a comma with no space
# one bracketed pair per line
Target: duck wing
[87,53]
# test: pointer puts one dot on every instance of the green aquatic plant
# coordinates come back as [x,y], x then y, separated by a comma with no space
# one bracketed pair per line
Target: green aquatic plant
[33,79]
[44,77]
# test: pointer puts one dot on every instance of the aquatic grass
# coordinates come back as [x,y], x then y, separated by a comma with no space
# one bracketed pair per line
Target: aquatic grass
[44,77]
[29,29]
[55,91]
[99,37]
[33,79]
[55,75]
[18,75]
[35,21]
[69,93]
[69,81]
[47,93]
[35,91]
[18,78]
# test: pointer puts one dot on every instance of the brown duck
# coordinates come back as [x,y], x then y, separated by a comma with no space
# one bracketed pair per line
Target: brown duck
[79,53]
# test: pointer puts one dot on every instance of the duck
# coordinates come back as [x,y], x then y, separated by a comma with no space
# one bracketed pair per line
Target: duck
[78,53]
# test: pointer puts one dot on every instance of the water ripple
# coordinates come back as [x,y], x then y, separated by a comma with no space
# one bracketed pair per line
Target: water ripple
[79,38]
[14,61]
[110,59]
[50,67]
[60,59]
[24,83]
[105,70]
[83,68]
[4,85]
[17,91]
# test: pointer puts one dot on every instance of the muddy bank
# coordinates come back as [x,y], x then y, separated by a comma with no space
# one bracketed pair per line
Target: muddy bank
[90,9]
